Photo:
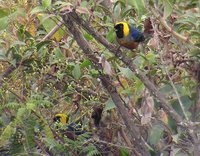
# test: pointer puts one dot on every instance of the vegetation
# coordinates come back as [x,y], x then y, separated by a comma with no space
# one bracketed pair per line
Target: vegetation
[62,57]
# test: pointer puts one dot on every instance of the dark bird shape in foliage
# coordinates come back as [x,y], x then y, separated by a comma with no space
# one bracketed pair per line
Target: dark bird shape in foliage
[75,128]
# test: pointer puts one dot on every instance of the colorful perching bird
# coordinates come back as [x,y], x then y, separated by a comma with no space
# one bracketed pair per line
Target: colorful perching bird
[73,127]
[127,35]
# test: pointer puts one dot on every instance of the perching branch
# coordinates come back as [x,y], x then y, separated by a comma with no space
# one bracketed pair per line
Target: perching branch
[128,61]
[139,143]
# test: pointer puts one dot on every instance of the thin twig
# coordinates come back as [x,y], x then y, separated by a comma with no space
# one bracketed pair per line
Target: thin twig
[53,31]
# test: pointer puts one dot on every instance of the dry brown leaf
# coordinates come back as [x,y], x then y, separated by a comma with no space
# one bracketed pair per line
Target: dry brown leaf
[163,116]
[66,9]
[153,42]
[106,65]
[82,10]
[147,108]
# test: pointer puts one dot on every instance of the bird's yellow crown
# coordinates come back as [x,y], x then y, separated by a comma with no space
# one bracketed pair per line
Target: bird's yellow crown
[126,28]
[63,118]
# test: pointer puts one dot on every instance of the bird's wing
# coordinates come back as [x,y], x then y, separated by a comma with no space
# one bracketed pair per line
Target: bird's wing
[136,35]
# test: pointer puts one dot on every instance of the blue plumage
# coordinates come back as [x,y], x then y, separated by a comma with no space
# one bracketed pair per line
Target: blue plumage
[136,35]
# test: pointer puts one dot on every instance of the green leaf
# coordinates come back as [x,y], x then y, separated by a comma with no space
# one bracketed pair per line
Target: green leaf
[17,13]
[42,44]
[151,57]
[85,63]
[167,89]
[139,86]
[117,10]
[58,54]
[187,103]
[76,72]
[84,4]
[195,52]
[37,10]
[88,36]
[2,55]
[31,106]
[126,72]
[7,134]
[94,73]
[139,5]
[18,43]
[4,23]
[168,8]
[155,134]
[51,143]
[111,35]
[123,152]
[109,105]
[4,12]
[49,22]
[21,113]
[46,3]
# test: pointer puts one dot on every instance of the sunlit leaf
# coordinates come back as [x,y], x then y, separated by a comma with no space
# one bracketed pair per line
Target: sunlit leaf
[37,10]
[49,23]
[46,3]
[88,36]
[4,12]
[4,22]
[123,152]
[168,8]
[85,63]
[139,5]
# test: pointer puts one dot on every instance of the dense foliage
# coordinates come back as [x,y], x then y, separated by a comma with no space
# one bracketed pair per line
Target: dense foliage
[44,72]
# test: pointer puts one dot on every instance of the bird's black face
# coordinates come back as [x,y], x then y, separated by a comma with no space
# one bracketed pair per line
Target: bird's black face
[119,30]
[56,119]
